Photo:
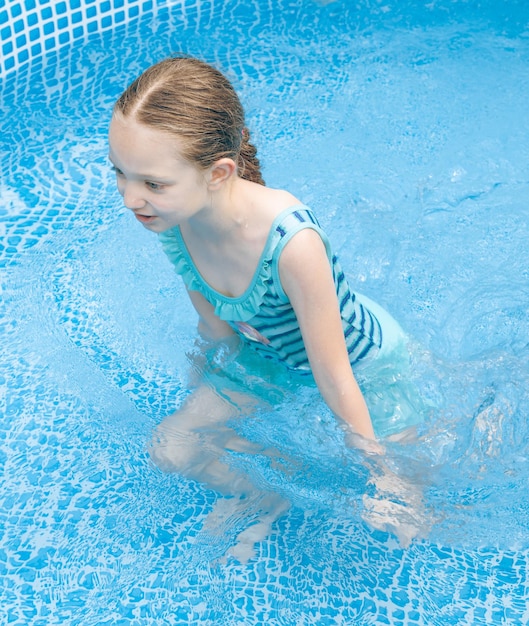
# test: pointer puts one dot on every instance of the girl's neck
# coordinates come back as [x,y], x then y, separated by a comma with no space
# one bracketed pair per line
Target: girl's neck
[230,210]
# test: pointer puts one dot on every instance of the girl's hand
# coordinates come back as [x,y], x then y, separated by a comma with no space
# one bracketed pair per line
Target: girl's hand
[369,446]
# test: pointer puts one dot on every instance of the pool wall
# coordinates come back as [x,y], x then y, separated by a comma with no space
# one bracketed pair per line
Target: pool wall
[31,28]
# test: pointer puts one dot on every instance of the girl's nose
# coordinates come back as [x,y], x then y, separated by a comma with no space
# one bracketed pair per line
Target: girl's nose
[132,197]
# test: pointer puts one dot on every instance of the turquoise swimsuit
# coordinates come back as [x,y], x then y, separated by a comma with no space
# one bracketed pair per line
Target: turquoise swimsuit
[263,316]
[266,322]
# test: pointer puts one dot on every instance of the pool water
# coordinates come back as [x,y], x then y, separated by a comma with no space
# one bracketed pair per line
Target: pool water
[405,127]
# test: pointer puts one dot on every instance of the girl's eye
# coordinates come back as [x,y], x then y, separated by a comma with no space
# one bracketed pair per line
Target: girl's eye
[154,186]
[117,171]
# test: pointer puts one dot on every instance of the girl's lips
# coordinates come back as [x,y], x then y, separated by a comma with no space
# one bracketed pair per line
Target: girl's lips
[144,219]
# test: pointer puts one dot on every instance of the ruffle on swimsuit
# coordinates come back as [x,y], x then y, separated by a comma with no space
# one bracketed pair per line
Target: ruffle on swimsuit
[246,306]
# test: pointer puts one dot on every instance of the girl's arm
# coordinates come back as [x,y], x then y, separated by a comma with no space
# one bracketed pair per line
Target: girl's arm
[194,439]
[306,277]
[209,325]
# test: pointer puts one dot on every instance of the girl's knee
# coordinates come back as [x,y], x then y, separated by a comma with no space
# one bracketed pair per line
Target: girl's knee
[171,451]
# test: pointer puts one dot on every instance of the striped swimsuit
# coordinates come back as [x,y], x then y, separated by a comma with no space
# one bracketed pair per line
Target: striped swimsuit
[263,316]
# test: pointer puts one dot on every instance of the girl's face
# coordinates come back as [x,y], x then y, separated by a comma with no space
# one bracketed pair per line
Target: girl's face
[157,184]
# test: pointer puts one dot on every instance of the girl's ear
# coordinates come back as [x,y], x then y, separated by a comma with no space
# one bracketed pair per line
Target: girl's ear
[220,172]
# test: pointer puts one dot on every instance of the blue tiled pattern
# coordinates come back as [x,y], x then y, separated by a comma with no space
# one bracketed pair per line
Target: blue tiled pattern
[94,327]
[29,28]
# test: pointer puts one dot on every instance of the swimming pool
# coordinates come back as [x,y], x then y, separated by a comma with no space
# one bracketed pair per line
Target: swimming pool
[405,126]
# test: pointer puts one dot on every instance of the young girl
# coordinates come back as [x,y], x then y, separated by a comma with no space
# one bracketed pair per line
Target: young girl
[255,262]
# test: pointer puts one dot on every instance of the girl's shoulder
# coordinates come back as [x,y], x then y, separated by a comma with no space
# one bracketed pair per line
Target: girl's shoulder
[270,201]
[280,200]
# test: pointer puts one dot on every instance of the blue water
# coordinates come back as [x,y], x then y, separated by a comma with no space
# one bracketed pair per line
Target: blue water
[405,127]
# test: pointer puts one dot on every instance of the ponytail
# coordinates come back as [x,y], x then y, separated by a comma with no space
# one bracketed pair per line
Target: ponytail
[249,166]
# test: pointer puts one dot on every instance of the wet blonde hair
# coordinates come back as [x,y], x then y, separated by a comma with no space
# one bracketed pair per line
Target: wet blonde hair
[196,103]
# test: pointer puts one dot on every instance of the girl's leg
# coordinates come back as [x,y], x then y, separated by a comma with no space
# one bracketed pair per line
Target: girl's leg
[196,441]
